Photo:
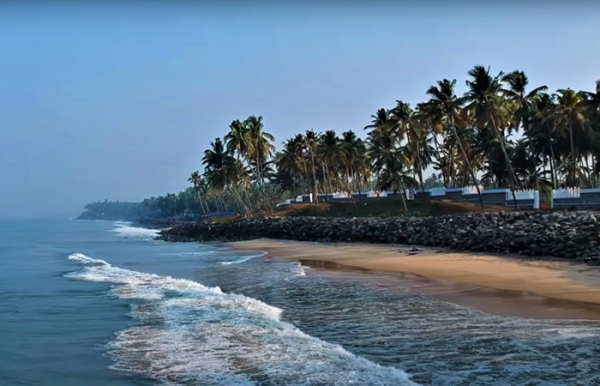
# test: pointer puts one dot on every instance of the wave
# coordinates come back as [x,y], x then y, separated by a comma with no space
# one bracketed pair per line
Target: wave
[125,229]
[190,334]
[243,259]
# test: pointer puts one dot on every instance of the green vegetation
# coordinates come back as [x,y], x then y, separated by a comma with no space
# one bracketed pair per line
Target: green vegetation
[468,140]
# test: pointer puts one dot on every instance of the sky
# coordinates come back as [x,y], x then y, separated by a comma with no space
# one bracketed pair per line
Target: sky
[118,101]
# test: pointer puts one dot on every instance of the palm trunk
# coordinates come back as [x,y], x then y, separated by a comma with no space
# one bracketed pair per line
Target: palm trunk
[510,169]
[466,159]
[223,202]
[326,169]
[312,157]
[593,170]
[451,167]
[420,170]
[402,191]
[573,164]
[437,153]
[552,168]
[261,183]
[200,201]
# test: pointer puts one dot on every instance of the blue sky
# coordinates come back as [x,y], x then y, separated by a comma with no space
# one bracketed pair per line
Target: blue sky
[119,102]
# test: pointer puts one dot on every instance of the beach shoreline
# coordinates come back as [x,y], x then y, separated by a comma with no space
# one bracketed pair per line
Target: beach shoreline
[499,284]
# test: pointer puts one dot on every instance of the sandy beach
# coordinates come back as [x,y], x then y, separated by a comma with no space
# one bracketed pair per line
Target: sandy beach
[505,285]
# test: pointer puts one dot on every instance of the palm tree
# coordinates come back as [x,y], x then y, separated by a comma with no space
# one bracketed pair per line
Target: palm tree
[570,111]
[444,100]
[260,148]
[431,117]
[197,181]
[542,129]
[311,143]
[218,167]
[354,160]
[383,138]
[486,101]
[330,153]
[291,159]
[517,83]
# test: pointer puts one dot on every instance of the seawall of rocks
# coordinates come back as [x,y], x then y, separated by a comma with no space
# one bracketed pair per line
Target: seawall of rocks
[572,235]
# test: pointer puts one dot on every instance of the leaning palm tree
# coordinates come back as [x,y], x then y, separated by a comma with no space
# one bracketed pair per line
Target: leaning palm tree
[485,98]
[444,100]
[432,119]
[197,181]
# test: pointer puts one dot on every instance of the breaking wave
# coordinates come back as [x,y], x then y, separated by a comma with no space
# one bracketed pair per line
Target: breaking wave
[190,334]
[126,230]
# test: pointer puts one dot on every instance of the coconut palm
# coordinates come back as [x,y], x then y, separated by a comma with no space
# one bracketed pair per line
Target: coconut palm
[542,130]
[311,143]
[354,160]
[259,144]
[444,100]
[383,139]
[485,99]
[570,112]
[431,118]
[517,83]
[197,181]
[330,153]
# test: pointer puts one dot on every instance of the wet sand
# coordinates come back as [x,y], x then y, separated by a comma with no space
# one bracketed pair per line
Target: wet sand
[503,285]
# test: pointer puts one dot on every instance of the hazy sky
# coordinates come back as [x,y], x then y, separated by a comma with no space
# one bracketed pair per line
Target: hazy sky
[119,103]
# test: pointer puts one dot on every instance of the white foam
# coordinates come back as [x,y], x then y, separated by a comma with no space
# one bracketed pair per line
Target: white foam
[299,270]
[243,259]
[126,230]
[86,260]
[192,334]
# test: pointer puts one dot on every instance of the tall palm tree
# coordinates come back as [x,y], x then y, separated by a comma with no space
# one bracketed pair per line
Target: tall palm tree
[311,143]
[383,138]
[291,159]
[431,117]
[354,160]
[330,153]
[197,181]
[570,111]
[444,99]
[484,96]
[260,145]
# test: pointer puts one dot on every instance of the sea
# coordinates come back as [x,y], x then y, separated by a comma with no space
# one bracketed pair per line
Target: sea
[89,303]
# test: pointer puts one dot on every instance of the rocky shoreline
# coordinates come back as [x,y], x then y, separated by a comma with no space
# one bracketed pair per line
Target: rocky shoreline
[570,235]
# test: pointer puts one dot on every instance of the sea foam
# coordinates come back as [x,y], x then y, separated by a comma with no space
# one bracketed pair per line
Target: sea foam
[243,259]
[190,334]
[125,229]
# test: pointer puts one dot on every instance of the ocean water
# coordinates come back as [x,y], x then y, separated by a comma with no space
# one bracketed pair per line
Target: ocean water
[102,303]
